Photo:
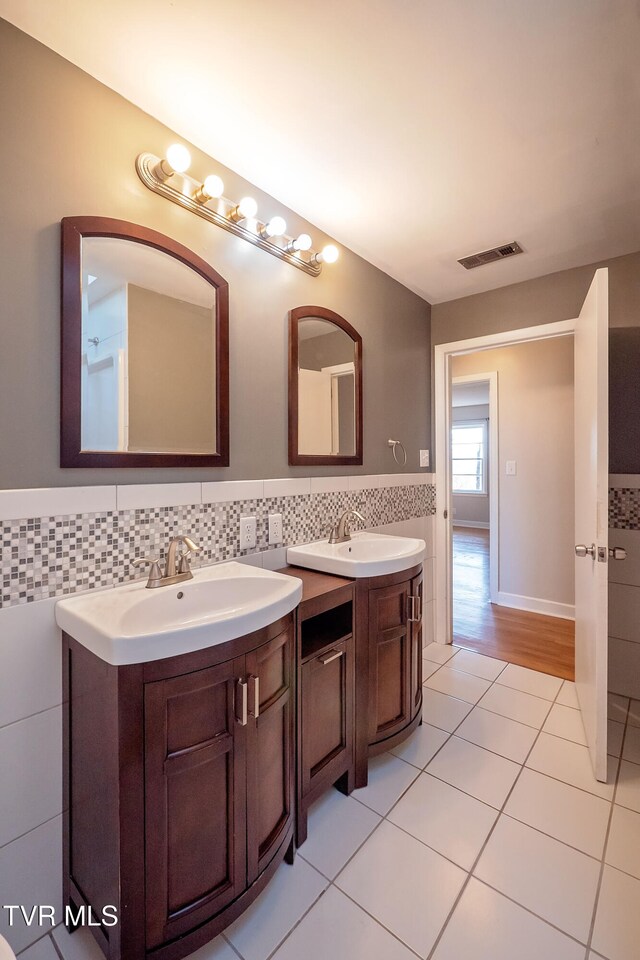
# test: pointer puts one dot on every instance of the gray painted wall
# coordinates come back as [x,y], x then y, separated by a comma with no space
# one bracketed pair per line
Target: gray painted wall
[68,148]
[557,296]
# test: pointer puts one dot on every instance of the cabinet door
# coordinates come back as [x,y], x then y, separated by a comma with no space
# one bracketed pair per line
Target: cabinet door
[195,799]
[389,660]
[416,646]
[327,710]
[270,758]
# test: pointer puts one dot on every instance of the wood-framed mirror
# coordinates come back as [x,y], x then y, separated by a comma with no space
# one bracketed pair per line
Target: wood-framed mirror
[145,350]
[325,388]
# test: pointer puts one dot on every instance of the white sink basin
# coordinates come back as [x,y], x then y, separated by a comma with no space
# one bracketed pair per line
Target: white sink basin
[365,555]
[131,624]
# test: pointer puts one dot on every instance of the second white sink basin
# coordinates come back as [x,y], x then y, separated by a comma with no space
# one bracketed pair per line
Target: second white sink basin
[364,555]
[131,624]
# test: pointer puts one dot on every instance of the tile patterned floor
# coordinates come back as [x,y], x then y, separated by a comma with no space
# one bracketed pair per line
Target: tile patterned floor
[483,837]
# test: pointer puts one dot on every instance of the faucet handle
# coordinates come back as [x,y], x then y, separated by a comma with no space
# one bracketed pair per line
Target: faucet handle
[190,545]
[183,562]
[154,564]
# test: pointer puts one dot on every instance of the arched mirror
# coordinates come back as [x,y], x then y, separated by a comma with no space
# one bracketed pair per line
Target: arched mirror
[325,388]
[145,354]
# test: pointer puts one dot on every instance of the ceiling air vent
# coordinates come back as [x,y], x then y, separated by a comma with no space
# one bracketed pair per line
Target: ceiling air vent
[488,256]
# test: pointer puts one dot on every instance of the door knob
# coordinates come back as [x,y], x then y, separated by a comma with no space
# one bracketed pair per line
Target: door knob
[582,550]
[617,553]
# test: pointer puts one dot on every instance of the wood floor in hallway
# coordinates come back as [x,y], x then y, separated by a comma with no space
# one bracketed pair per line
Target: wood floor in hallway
[528,639]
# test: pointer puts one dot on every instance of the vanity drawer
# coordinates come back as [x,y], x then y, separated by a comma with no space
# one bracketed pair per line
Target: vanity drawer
[326,723]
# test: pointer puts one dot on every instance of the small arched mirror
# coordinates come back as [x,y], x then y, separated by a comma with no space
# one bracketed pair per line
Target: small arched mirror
[145,356]
[325,388]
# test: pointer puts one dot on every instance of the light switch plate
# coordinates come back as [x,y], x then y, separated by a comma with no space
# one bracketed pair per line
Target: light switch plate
[247,533]
[512,468]
[424,458]
[275,528]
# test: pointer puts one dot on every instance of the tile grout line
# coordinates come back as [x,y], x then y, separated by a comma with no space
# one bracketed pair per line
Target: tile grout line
[26,833]
[484,845]
[606,839]
[469,873]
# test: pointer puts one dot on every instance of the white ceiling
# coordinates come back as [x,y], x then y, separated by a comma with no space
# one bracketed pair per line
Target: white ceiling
[413,131]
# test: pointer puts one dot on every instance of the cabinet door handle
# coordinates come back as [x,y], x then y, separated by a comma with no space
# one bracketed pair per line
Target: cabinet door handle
[242,706]
[411,615]
[419,599]
[255,683]
[330,656]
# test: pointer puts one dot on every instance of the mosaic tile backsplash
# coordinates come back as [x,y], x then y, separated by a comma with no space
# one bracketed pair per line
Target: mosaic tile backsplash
[50,556]
[624,508]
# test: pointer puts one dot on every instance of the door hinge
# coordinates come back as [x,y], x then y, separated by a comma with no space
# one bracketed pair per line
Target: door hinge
[446,514]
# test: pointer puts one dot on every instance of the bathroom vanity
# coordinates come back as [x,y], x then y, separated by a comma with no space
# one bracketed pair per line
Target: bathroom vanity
[201,721]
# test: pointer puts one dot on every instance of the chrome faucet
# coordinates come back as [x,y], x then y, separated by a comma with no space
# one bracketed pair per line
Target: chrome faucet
[341,530]
[173,573]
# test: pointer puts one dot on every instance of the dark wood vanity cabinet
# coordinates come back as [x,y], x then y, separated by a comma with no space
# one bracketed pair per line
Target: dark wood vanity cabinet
[179,788]
[388,663]
[325,639]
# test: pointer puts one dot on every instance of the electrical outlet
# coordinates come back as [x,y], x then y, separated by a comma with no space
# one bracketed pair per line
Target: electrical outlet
[247,533]
[424,458]
[275,528]
[512,468]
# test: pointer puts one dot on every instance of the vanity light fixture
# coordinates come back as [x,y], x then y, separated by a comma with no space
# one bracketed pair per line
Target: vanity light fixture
[168,177]
[276,227]
[178,160]
[211,189]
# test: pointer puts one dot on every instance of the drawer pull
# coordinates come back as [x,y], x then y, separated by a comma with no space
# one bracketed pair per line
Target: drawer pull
[330,656]
[242,712]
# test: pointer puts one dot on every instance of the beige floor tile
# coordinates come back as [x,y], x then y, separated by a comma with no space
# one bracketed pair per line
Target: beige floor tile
[530,681]
[487,926]
[389,777]
[516,705]
[552,880]
[419,748]
[570,762]
[442,711]
[475,771]
[451,822]
[499,734]
[409,888]
[623,845]
[457,684]
[616,934]
[560,810]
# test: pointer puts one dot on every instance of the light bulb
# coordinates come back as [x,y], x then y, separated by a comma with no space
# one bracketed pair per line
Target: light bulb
[303,242]
[245,210]
[330,253]
[211,189]
[248,207]
[275,228]
[178,158]
[213,186]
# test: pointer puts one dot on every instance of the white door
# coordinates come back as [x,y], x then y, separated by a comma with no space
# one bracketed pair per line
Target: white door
[591,518]
[314,412]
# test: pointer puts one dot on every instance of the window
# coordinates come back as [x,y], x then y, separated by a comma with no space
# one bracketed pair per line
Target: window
[469,457]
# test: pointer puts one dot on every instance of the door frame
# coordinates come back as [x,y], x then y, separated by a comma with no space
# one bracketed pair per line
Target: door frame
[493,492]
[443,354]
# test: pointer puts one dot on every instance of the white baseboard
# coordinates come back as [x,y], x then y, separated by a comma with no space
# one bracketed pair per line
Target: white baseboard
[566,611]
[480,524]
